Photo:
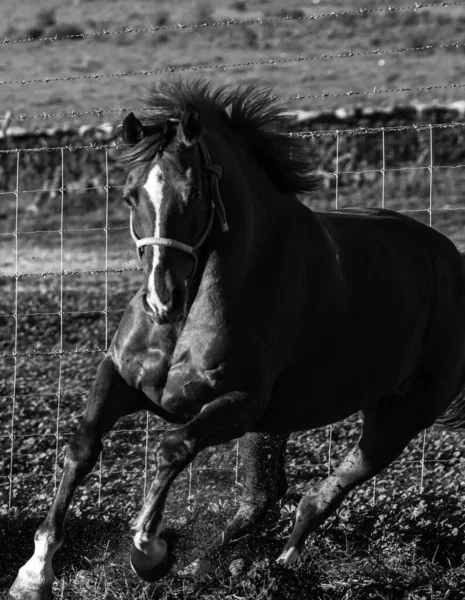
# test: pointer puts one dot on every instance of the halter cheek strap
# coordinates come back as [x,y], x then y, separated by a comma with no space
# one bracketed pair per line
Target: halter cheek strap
[212,174]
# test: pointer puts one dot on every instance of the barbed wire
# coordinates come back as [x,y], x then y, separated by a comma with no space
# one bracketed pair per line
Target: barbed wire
[373,130]
[35,353]
[270,61]
[94,111]
[44,274]
[65,229]
[375,90]
[59,313]
[310,134]
[321,96]
[230,22]
[68,147]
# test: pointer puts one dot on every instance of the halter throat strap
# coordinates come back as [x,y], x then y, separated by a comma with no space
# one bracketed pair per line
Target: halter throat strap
[212,174]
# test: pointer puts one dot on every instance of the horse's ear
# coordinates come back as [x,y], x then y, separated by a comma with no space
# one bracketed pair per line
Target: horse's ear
[132,130]
[190,125]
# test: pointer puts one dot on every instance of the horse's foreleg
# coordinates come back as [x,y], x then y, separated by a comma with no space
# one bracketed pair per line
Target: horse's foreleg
[110,399]
[222,420]
[387,429]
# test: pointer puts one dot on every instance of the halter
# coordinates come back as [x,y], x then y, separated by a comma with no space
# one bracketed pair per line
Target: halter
[211,174]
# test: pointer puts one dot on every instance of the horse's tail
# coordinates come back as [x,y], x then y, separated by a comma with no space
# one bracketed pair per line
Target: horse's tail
[453,418]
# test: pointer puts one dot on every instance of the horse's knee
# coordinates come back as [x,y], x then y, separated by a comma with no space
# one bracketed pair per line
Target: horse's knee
[175,450]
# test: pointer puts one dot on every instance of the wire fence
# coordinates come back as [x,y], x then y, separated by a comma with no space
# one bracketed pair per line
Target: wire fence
[272,61]
[66,280]
[231,22]
[47,336]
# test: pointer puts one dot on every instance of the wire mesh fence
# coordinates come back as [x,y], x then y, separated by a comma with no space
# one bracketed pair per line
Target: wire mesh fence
[65,287]
[68,271]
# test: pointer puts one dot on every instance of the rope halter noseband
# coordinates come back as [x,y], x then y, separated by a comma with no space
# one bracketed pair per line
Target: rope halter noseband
[212,173]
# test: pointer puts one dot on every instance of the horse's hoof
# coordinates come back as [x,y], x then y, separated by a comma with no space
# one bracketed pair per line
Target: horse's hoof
[150,568]
[22,590]
[289,556]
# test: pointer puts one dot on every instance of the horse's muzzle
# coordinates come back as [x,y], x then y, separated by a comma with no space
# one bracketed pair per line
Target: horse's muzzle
[173,315]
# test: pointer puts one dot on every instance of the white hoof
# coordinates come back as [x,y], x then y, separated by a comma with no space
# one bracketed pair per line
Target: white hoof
[289,556]
[35,578]
[28,586]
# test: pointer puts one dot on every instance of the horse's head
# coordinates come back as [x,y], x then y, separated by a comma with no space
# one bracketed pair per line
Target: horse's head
[171,208]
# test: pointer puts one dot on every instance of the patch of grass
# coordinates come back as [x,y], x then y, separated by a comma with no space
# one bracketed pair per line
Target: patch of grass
[203,11]
[162,17]
[46,17]
[239,5]
[295,13]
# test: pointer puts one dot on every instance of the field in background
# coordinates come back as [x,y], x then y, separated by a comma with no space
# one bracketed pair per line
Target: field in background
[238,44]
[399,538]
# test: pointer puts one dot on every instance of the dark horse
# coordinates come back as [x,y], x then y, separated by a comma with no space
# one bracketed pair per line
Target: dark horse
[260,317]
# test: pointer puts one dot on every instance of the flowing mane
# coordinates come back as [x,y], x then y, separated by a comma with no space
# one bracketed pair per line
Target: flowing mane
[251,113]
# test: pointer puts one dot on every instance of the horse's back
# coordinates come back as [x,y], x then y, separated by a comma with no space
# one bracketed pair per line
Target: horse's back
[399,320]
[409,271]
[380,226]
[368,240]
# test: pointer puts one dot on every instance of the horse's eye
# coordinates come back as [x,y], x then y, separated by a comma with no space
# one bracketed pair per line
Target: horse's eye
[195,194]
[130,197]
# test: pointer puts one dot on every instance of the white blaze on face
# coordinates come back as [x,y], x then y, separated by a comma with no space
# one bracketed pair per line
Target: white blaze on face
[154,188]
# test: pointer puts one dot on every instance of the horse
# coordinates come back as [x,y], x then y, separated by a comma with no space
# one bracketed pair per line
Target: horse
[260,317]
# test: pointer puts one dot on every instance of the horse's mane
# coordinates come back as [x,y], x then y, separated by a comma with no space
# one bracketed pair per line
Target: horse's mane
[253,115]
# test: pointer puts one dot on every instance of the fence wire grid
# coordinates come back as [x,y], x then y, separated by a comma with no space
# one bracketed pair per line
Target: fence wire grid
[65,286]
[51,357]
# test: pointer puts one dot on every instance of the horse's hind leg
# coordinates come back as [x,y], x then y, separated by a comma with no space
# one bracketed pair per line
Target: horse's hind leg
[111,398]
[265,483]
[387,429]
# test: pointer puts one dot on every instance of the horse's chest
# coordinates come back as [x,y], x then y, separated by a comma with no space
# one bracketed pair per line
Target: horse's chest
[145,370]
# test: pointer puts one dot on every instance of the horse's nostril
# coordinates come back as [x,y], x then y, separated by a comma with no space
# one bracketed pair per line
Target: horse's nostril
[148,308]
[169,313]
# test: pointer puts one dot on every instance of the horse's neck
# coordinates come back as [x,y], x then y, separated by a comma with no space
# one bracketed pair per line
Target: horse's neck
[253,210]
[251,201]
